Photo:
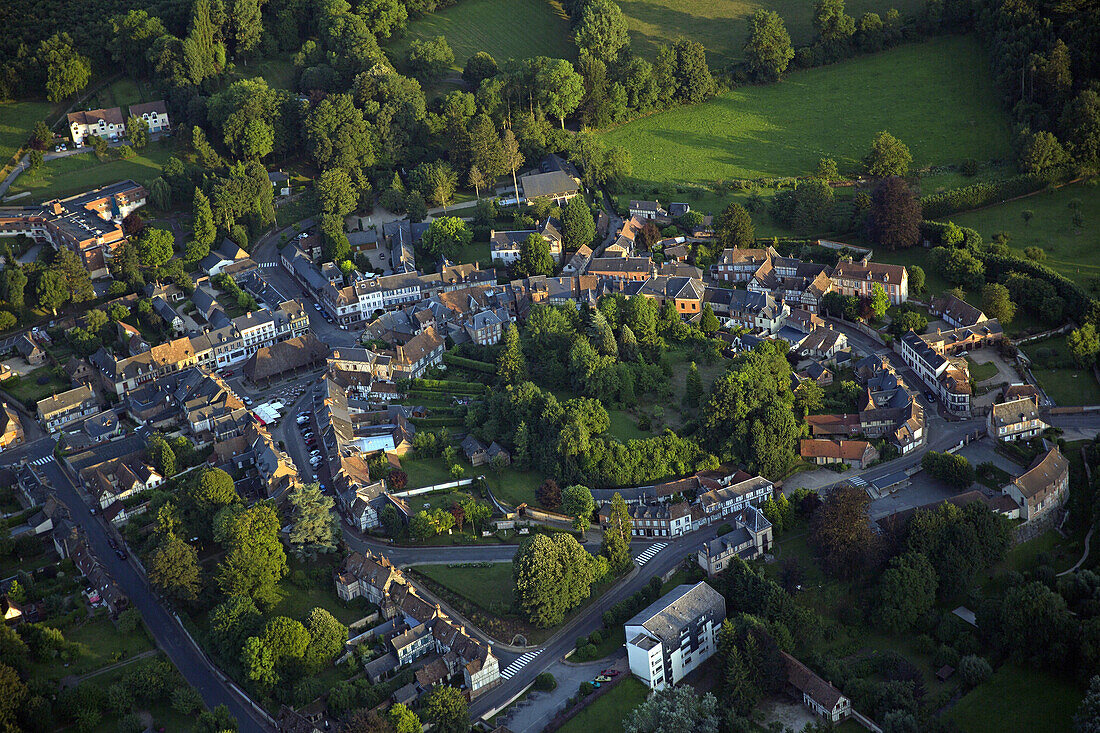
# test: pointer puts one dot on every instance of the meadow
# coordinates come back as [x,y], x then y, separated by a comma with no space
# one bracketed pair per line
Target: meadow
[1017,698]
[916,92]
[16,122]
[503,28]
[77,173]
[1070,250]
[721,25]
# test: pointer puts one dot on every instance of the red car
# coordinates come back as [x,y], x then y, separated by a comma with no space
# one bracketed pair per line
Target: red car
[610,672]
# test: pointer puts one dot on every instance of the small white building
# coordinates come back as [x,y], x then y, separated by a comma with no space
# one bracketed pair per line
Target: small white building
[154,114]
[674,635]
[105,123]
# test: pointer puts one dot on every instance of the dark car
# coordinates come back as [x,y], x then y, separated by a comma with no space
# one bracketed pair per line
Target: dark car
[930,396]
[121,554]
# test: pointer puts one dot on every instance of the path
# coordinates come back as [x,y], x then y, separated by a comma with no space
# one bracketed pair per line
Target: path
[116,665]
[1084,556]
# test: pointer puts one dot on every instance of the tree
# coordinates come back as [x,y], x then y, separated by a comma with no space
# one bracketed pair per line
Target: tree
[212,490]
[734,227]
[327,637]
[174,568]
[35,158]
[1084,345]
[950,468]
[162,455]
[894,221]
[1034,626]
[315,528]
[479,67]
[974,670]
[880,301]
[616,536]
[561,87]
[1087,717]
[578,228]
[602,30]
[674,710]
[478,180]
[337,136]
[916,279]
[76,276]
[906,591]
[997,303]
[67,72]
[889,156]
[511,157]
[137,132]
[841,529]
[430,58]
[336,193]
[1040,152]
[708,322]
[511,366]
[258,660]
[254,561]
[203,229]
[446,707]
[552,575]
[577,502]
[51,291]
[42,134]
[768,49]
[155,247]
[13,282]
[14,693]
[534,257]
[1080,122]
[445,236]
[404,720]
[549,494]
[832,23]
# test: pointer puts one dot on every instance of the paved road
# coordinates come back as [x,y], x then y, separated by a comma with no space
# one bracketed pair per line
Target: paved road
[163,626]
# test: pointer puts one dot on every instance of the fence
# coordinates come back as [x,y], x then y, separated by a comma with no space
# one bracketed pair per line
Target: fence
[861,327]
[429,489]
[1045,334]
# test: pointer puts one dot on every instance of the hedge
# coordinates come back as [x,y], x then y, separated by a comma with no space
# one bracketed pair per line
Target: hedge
[471,364]
[454,386]
[437,422]
[977,195]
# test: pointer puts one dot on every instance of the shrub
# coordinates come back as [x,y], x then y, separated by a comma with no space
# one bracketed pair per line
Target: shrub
[545,682]
[595,638]
[974,670]
[586,689]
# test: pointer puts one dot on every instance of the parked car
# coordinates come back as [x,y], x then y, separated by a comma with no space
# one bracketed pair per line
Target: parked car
[602,678]
[121,554]
[611,672]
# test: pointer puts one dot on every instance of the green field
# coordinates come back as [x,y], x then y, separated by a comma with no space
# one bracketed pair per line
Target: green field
[488,588]
[1071,251]
[981,372]
[121,93]
[1016,698]
[504,28]
[78,173]
[16,122]
[606,714]
[721,25]
[1067,387]
[927,94]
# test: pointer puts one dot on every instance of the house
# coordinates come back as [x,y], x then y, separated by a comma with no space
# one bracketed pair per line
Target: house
[622,269]
[494,450]
[859,279]
[280,182]
[154,114]
[168,314]
[116,480]
[956,311]
[654,520]
[647,210]
[227,253]
[578,263]
[739,265]
[1044,486]
[673,636]
[505,247]
[475,450]
[676,210]
[751,538]
[1015,420]
[79,372]
[11,429]
[29,349]
[556,187]
[11,611]
[947,377]
[822,344]
[818,695]
[856,453]
[59,410]
[105,123]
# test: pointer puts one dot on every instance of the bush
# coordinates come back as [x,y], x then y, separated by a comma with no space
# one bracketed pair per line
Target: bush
[974,670]
[545,682]
[595,638]
[586,689]
[985,193]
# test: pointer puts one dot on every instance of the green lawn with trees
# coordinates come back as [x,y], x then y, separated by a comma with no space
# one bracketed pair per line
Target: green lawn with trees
[916,92]
[721,25]
[606,714]
[489,588]
[502,28]
[77,173]
[1017,698]
[1059,377]
[16,122]
[1046,220]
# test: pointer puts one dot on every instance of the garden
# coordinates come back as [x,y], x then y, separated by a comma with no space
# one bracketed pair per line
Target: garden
[1058,375]
[35,385]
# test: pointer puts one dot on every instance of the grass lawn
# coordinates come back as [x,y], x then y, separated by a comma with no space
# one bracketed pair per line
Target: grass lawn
[981,372]
[721,25]
[277,71]
[506,29]
[303,207]
[1016,698]
[474,252]
[1071,251]
[298,602]
[16,122]
[1066,387]
[606,714]
[624,426]
[164,717]
[27,390]
[916,92]
[102,644]
[510,485]
[121,93]
[78,173]
[488,588]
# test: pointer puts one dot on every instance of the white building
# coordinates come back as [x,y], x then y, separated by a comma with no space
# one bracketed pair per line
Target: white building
[155,115]
[674,635]
[104,123]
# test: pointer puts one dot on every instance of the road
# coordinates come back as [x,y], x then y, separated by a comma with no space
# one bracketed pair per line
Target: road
[164,627]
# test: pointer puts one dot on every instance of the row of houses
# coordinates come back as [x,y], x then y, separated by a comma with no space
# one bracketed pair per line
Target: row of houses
[110,124]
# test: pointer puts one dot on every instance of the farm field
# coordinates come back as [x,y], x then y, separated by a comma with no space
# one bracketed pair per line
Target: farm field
[1016,698]
[916,92]
[16,122]
[721,25]
[503,28]
[1071,251]
[78,173]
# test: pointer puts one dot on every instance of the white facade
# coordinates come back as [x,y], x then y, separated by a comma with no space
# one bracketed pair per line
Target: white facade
[671,638]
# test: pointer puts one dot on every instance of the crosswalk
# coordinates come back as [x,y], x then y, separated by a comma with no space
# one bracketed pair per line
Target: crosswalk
[41,461]
[519,664]
[648,553]
[268,265]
